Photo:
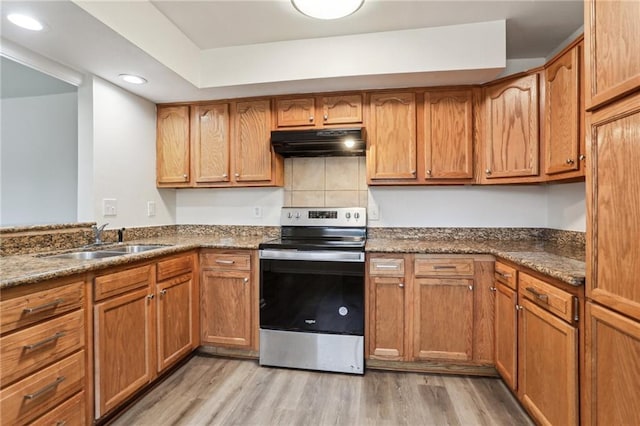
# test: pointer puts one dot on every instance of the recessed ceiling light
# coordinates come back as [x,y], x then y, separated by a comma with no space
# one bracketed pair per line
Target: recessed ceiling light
[327,9]
[24,21]
[133,79]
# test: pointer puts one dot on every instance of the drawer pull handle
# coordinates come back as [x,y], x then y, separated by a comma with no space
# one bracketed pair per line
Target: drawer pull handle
[225,262]
[444,267]
[43,307]
[503,275]
[379,266]
[45,389]
[540,296]
[43,342]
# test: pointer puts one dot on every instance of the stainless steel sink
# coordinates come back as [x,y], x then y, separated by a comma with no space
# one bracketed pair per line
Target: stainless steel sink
[108,252]
[135,248]
[86,255]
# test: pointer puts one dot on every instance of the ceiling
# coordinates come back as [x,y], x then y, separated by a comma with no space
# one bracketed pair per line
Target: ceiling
[90,42]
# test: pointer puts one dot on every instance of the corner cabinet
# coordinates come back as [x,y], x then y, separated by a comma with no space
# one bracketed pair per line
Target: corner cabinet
[611,47]
[172,146]
[511,140]
[392,137]
[564,145]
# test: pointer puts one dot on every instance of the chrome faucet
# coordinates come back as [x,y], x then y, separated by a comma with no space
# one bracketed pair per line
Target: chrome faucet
[97,231]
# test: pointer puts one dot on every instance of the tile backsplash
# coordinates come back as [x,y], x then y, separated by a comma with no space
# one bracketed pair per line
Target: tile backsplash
[325,182]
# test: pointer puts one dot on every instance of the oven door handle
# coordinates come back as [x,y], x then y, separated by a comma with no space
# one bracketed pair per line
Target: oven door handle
[312,255]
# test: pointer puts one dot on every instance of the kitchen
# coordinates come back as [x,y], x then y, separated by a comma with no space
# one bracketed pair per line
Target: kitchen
[431,207]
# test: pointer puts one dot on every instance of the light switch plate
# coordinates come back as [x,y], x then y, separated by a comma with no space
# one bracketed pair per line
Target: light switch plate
[257,212]
[151,208]
[109,207]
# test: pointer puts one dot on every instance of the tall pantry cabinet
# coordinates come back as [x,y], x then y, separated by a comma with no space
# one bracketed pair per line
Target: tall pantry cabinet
[612,343]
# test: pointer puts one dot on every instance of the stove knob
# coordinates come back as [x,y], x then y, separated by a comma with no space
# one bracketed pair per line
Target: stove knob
[356,215]
[347,215]
[297,215]
[289,215]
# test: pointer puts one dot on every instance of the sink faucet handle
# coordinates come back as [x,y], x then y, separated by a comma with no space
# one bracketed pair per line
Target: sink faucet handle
[120,235]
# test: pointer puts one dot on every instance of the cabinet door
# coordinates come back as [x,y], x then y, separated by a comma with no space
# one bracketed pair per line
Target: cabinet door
[252,137]
[345,109]
[547,366]
[506,350]
[612,43]
[123,348]
[443,319]
[562,113]
[392,136]
[511,140]
[612,370]
[175,320]
[211,148]
[296,112]
[613,197]
[172,146]
[387,318]
[448,135]
[226,307]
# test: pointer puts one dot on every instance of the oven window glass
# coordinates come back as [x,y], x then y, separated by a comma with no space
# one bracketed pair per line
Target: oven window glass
[320,297]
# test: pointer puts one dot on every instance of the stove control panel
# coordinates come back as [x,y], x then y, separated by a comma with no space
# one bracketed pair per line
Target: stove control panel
[324,216]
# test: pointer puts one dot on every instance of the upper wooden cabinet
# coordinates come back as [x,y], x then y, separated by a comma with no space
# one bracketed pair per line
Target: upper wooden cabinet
[511,140]
[563,116]
[612,43]
[392,137]
[298,112]
[613,197]
[211,142]
[254,158]
[319,111]
[172,146]
[448,135]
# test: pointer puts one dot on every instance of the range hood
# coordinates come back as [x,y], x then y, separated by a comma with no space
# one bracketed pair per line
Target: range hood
[319,142]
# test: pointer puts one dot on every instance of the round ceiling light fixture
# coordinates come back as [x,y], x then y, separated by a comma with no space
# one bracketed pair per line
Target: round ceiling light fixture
[133,79]
[327,9]
[25,21]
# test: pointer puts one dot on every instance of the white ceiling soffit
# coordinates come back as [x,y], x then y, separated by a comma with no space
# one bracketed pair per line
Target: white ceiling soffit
[468,47]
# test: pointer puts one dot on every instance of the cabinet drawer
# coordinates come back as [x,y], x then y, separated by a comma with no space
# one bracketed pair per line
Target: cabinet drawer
[241,262]
[173,267]
[443,267]
[547,296]
[386,267]
[69,413]
[506,275]
[42,391]
[21,311]
[122,282]
[30,349]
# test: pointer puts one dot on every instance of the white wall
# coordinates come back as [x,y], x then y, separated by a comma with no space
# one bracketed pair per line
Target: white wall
[566,207]
[39,159]
[124,162]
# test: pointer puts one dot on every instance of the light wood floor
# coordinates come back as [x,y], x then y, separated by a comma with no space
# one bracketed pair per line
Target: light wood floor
[219,391]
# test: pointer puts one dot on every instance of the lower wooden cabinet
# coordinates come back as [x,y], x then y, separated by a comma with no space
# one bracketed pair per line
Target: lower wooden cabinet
[386,303]
[142,326]
[228,314]
[506,332]
[612,368]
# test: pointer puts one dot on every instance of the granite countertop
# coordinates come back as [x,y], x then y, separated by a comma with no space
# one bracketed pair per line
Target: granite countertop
[564,262]
[32,268]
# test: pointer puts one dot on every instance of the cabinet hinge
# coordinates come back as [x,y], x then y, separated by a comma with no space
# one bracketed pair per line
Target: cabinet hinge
[576,305]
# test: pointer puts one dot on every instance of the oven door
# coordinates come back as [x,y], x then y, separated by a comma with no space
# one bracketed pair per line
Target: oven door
[312,291]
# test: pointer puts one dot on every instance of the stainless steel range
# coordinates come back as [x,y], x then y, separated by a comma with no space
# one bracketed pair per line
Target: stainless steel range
[312,291]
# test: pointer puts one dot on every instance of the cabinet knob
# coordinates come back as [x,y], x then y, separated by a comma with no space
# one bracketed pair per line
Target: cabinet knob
[570,161]
[413,172]
[186,176]
[151,296]
[492,289]
[488,171]
[224,175]
[163,292]
[401,285]
[428,172]
[326,117]
[246,280]
[519,308]
[311,118]
[237,175]
[582,157]
[470,288]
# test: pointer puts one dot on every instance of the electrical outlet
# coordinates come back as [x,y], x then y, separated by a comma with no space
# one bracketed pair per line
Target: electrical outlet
[109,207]
[257,212]
[151,208]
[373,212]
